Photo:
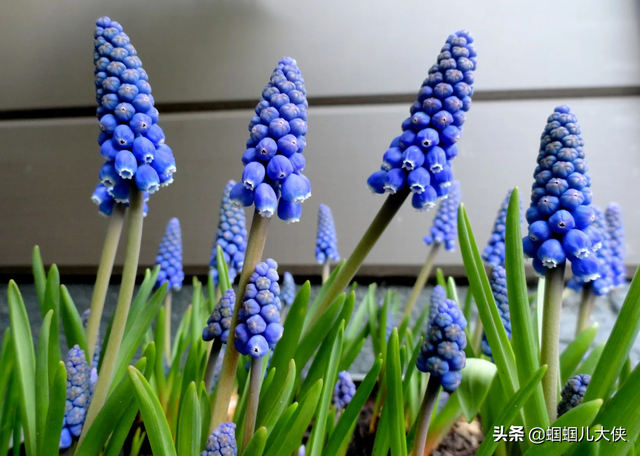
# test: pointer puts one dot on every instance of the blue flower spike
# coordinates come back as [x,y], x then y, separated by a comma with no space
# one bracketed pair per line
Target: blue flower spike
[613,216]
[438,295]
[326,239]
[131,141]
[222,441]
[78,396]
[560,215]
[494,252]
[231,237]
[444,229]
[573,393]
[421,157]
[344,390]
[169,257]
[272,178]
[288,289]
[442,352]
[498,283]
[219,322]
[259,327]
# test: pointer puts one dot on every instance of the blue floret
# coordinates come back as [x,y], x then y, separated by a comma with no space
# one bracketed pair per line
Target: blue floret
[169,257]
[326,239]
[78,396]
[288,289]
[615,228]
[102,198]
[343,391]
[573,393]
[222,441]
[219,322]
[499,289]
[445,224]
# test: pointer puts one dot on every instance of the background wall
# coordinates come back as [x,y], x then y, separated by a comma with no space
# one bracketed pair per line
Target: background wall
[362,61]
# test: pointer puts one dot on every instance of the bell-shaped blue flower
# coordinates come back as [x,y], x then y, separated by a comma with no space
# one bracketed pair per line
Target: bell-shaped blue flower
[434,127]
[169,257]
[445,224]
[231,236]
[219,322]
[498,283]
[103,198]
[573,393]
[326,239]
[615,229]
[344,390]
[288,289]
[78,396]
[494,252]
[222,441]
[288,211]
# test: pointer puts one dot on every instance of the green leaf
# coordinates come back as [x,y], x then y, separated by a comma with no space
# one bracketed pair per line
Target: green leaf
[25,365]
[189,424]
[589,364]
[351,352]
[10,412]
[6,365]
[618,346]
[71,322]
[223,271]
[468,305]
[42,380]
[341,434]
[394,397]
[55,413]
[275,401]
[411,368]
[154,420]
[440,280]
[205,413]
[373,318]
[573,354]
[476,379]
[523,339]
[159,339]
[256,445]
[313,309]
[52,301]
[582,415]
[197,317]
[511,411]
[382,316]
[355,326]
[39,278]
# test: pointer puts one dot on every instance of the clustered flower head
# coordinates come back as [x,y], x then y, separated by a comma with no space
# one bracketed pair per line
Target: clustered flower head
[438,295]
[494,252]
[170,257]
[273,162]
[259,327]
[105,202]
[78,396]
[131,141]
[288,289]
[560,216]
[499,289]
[573,393]
[442,352]
[231,237]
[613,216]
[326,240]
[445,224]
[343,391]
[222,441]
[219,322]
[421,156]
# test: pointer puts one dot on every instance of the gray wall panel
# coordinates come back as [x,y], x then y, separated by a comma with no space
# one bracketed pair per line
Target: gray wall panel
[48,170]
[219,50]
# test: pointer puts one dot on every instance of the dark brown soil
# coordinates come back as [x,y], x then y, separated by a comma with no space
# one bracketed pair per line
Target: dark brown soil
[463,440]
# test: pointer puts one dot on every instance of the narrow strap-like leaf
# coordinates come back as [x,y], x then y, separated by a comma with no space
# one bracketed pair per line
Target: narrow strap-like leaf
[205,413]
[52,302]
[573,354]
[256,445]
[223,271]
[394,398]
[71,321]
[274,403]
[189,424]
[42,379]
[39,278]
[55,413]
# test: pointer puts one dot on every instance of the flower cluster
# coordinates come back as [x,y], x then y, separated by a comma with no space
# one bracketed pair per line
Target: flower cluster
[131,140]
[445,224]
[343,391]
[78,396]
[231,236]
[219,322]
[560,216]
[613,216]
[421,156]
[499,289]
[273,162]
[288,289]
[494,252]
[326,239]
[442,352]
[105,202]
[573,393]
[259,327]
[222,441]
[170,257]
[438,295]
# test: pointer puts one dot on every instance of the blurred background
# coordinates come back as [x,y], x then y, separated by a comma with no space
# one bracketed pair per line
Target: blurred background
[363,62]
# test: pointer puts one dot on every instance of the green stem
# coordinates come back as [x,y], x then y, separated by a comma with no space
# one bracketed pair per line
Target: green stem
[392,204]
[549,353]
[326,270]
[105,268]
[426,409]
[129,273]
[255,383]
[167,327]
[216,347]
[421,281]
[586,307]
[253,255]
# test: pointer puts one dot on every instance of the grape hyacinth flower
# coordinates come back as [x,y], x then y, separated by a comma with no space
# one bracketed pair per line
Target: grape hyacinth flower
[288,289]
[105,202]
[420,158]
[438,295]
[170,257]
[231,237]
[222,441]
[444,228]
[302,451]
[494,252]
[78,396]
[343,391]
[615,229]
[499,289]
[573,393]
[219,322]
[259,327]
[272,179]
[326,239]
[131,141]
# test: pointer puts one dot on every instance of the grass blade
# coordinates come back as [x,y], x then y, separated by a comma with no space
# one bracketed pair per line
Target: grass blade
[573,354]
[189,424]
[223,271]
[275,401]
[39,278]
[394,397]
[52,301]
[42,380]
[71,322]
[55,413]
[256,445]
